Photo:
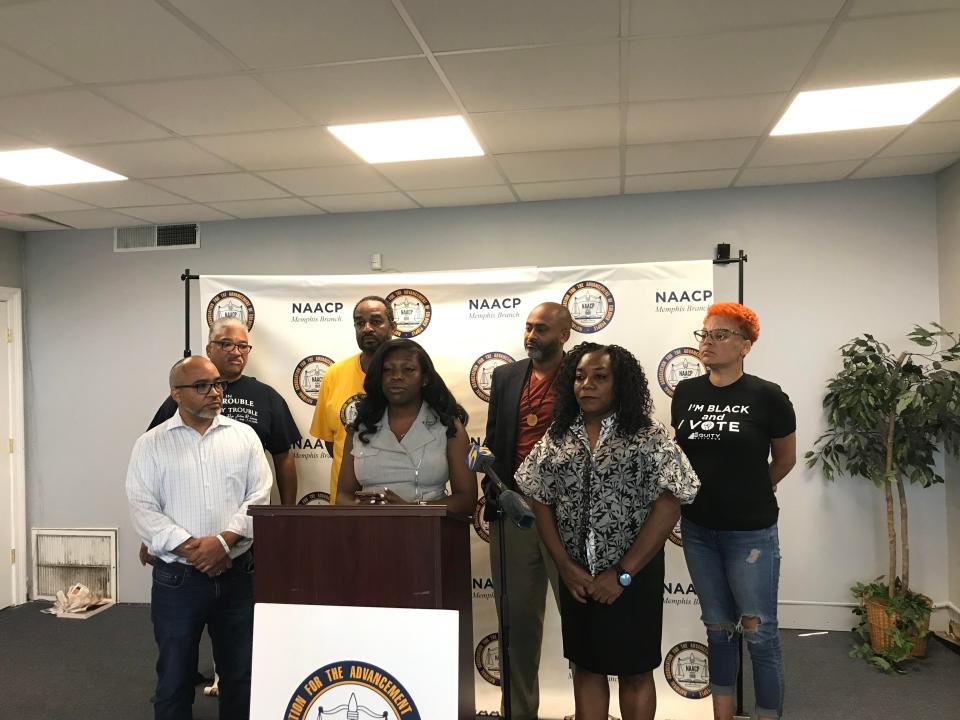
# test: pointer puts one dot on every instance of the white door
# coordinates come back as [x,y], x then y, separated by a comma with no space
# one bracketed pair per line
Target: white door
[6,472]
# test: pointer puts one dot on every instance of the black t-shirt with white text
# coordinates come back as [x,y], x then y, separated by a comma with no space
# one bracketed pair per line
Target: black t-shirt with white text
[726,434]
[253,403]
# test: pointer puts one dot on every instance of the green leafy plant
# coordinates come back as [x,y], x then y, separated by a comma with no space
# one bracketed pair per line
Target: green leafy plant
[888,415]
[910,613]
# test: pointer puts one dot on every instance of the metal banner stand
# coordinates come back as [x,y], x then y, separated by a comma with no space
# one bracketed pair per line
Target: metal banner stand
[723,258]
[186,277]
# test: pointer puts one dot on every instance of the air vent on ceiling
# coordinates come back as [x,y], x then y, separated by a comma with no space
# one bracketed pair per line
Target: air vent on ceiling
[156,237]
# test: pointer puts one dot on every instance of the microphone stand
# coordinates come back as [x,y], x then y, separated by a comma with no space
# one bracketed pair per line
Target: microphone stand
[504,607]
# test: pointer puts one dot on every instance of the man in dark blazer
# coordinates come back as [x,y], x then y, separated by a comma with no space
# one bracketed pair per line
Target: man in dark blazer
[521,405]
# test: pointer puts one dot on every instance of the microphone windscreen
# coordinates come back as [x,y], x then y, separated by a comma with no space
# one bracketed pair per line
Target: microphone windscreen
[516,510]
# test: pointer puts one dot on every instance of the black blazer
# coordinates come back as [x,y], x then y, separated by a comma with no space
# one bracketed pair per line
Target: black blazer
[502,419]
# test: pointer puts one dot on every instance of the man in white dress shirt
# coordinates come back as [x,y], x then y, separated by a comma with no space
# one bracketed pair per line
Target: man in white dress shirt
[189,484]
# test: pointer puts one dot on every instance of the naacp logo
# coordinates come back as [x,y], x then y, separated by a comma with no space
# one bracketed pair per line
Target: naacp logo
[591,306]
[411,311]
[349,690]
[348,411]
[308,375]
[685,668]
[481,374]
[481,526]
[679,364]
[317,497]
[487,658]
[231,304]
[675,536]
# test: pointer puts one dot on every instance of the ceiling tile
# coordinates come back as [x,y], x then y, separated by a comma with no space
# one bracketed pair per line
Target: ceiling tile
[889,49]
[267,208]
[330,180]
[363,202]
[462,24]
[18,74]
[678,120]
[789,174]
[176,214]
[24,223]
[364,92]
[24,200]
[568,189]
[946,109]
[92,219]
[220,188]
[12,142]
[909,165]
[561,165]
[109,40]
[536,77]
[673,182]
[567,128]
[280,149]
[668,17]
[822,147]
[926,139]
[73,117]
[303,32]
[879,7]
[430,174]
[493,195]
[735,63]
[158,158]
[207,106]
[117,194]
[686,156]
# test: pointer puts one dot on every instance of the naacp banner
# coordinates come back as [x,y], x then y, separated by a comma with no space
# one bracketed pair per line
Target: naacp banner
[470,322]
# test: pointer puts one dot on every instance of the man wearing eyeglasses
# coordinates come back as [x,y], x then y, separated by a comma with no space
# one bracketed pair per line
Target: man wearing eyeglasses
[250,401]
[189,484]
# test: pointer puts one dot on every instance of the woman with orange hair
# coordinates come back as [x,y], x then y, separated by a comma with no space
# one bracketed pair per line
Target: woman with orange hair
[739,433]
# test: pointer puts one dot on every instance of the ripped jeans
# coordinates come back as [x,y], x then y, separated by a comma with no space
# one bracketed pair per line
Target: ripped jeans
[736,574]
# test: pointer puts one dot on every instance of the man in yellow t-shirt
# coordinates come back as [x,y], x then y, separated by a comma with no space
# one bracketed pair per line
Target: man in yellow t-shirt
[342,384]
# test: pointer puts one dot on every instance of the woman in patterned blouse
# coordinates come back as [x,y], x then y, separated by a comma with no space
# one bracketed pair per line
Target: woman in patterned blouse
[606,484]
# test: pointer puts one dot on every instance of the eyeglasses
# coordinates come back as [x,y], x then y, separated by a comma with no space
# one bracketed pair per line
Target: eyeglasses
[718,335]
[229,345]
[204,388]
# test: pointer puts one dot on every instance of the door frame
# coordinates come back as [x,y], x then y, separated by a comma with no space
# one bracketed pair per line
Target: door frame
[14,299]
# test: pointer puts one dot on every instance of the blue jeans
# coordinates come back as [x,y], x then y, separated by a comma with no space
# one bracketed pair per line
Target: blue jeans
[183,601]
[736,574]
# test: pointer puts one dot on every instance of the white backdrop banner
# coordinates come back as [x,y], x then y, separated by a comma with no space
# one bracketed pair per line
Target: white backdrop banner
[470,322]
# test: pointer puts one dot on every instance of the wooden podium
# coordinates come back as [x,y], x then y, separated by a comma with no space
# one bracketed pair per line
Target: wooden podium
[401,556]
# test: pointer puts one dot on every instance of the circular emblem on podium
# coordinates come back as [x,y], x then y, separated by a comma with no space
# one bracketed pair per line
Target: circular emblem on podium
[231,304]
[351,689]
[685,668]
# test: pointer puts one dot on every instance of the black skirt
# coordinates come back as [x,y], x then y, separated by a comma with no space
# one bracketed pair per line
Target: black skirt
[618,639]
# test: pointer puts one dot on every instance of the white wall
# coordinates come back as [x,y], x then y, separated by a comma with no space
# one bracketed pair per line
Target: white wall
[11,259]
[948,223]
[827,262]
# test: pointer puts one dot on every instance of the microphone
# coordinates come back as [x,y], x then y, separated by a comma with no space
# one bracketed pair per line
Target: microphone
[512,503]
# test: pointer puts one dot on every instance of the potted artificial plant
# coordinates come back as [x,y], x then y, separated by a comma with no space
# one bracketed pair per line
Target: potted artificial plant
[887,416]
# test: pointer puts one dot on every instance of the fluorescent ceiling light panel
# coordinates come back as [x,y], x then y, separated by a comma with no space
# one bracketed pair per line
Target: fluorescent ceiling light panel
[46,166]
[871,106]
[404,140]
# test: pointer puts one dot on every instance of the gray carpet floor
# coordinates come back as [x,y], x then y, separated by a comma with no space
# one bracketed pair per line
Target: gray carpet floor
[103,668]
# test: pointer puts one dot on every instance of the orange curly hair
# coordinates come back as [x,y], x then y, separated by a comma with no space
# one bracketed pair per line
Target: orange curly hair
[741,314]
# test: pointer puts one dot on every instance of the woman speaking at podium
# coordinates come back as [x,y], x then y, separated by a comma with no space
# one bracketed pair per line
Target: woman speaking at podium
[408,439]
[606,483]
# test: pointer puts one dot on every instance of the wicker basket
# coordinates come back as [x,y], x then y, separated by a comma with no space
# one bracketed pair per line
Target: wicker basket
[880,620]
